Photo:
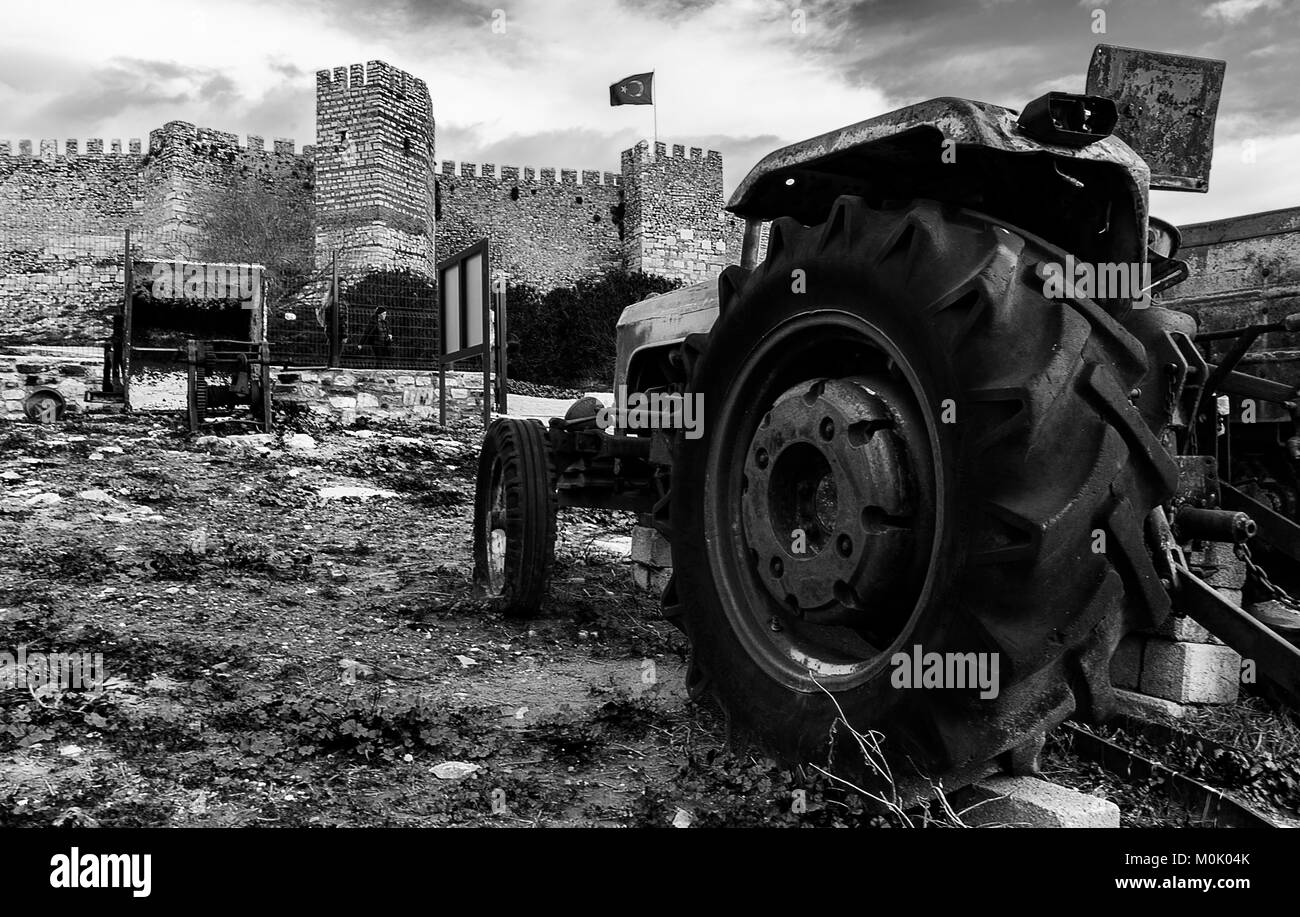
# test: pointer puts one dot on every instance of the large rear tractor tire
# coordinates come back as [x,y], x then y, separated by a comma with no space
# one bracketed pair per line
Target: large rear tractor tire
[907,449]
[514,516]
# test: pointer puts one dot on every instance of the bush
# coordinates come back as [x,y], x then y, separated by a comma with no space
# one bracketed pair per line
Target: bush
[565,337]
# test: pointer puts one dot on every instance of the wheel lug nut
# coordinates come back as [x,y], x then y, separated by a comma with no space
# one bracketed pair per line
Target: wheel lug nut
[774,624]
[845,545]
[760,458]
[827,428]
[778,568]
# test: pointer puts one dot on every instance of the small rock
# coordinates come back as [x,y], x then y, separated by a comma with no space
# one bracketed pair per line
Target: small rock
[362,493]
[454,770]
[10,476]
[466,661]
[44,500]
[97,496]
[70,751]
[682,819]
[300,442]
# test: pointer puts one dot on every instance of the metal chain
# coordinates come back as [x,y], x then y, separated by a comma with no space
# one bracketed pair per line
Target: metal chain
[1262,583]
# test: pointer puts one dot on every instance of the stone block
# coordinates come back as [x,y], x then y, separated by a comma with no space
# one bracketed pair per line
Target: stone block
[1190,673]
[650,548]
[1186,630]
[1030,802]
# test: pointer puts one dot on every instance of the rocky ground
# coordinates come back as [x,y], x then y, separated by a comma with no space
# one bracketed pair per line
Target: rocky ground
[289,638]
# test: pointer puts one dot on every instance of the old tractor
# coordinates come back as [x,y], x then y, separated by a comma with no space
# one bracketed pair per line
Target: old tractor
[913,435]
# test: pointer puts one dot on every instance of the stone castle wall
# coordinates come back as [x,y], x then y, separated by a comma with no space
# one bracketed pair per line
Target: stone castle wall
[544,232]
[192,173]
[370,190]
[62,215]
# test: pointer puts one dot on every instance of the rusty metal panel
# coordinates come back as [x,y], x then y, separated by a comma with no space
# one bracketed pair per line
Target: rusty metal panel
[1167,105]
[1245,270]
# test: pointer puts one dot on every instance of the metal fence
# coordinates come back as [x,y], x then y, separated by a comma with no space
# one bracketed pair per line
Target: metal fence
[64,282]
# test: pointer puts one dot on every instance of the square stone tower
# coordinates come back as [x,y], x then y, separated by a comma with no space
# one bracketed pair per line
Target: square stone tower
[673,220]
[374,170]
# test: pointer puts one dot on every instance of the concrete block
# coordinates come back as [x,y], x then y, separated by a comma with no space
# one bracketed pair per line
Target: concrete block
[1126,664]
[1185,630]
[1146,707]
[649,579]
[1190,673]
[651,548]
[1030,802]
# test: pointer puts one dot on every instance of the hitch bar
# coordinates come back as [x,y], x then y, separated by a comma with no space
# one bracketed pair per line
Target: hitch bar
[1275,658]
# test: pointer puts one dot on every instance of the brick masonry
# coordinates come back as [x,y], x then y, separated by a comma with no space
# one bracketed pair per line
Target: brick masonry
[374,169]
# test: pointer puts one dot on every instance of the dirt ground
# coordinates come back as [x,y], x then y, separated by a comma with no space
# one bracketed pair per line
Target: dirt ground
[289,638]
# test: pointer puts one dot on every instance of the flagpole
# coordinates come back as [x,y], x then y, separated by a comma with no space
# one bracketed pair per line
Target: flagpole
[654,107]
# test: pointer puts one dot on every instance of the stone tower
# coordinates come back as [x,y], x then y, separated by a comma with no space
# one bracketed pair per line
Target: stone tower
[673,220]
[374,169]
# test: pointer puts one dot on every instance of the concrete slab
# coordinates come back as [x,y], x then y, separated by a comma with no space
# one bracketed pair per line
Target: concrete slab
[1145,707]
[1031,802]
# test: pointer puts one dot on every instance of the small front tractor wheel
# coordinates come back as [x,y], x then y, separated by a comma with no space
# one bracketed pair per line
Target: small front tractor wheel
[514,516]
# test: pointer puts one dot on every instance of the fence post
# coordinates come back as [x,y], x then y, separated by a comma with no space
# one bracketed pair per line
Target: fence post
[336,342]
[442,392]
[503,373]
[127,283]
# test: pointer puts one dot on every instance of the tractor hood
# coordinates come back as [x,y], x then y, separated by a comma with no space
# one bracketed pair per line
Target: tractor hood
[647,326]
[964,152]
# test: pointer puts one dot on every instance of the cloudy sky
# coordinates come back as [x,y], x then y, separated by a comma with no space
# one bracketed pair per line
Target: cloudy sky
[734,75]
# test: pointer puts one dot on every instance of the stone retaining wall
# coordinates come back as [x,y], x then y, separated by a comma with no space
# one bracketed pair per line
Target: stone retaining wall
[353,393]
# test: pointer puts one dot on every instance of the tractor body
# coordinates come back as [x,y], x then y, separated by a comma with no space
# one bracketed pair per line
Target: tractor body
[912,441]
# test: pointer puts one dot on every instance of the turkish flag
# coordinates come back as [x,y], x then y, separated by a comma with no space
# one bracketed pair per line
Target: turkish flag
[637,89]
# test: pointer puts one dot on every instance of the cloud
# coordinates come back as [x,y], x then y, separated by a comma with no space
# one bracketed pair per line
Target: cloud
[732,74]
[1236,10]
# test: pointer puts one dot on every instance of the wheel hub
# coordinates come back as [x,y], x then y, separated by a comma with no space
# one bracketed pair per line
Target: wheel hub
[829,497]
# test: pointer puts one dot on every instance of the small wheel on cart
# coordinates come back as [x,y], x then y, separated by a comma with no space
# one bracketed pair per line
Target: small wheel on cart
[514,516]
[43,407]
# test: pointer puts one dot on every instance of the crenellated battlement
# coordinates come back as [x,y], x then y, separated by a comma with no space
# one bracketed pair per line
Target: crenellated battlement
[373,76]
[661,150]
[70,148]
[184,135]
[526,175]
